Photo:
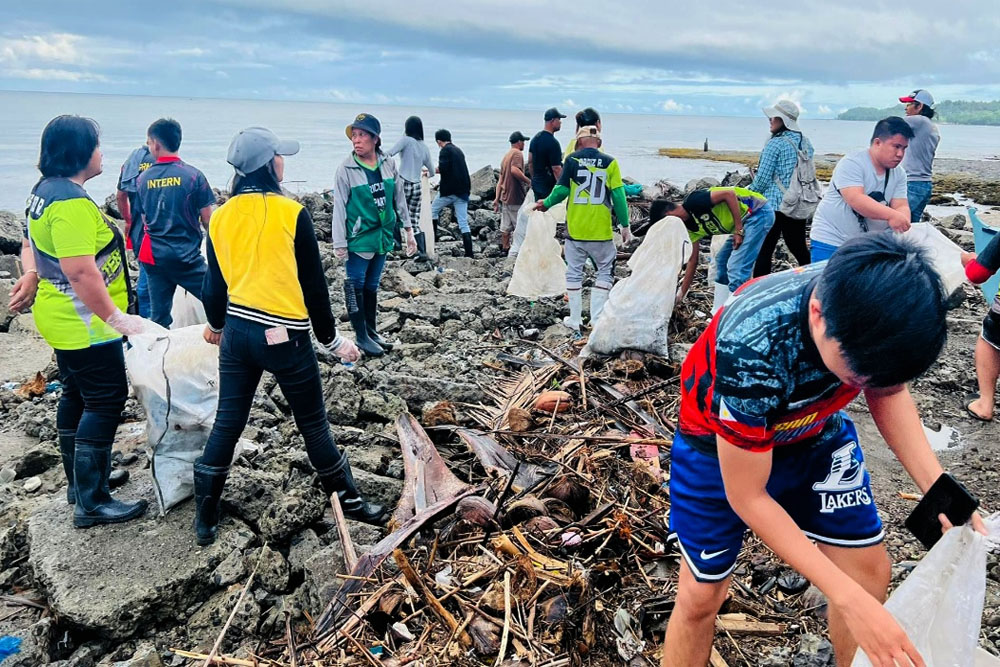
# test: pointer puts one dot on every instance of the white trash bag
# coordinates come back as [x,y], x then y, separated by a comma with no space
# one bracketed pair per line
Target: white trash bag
[945,254]
[940,605]
[638,310]
[521,228]
[539,269]
[186,310]
[175,375]
[426,222]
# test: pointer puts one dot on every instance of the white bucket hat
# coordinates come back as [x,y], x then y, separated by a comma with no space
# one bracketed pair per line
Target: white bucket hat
[787,111]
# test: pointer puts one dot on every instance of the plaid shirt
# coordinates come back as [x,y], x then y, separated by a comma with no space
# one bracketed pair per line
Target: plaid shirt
[778,159]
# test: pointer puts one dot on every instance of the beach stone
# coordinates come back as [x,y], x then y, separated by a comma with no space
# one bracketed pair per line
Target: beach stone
[378,488]
[11,233]
[273,572]
[32,484]
[957,221]
[403,283]
[204,625]
[35,642]
[145,655]
[380,407]
[231,570]
[418,389]
[322,569]
[114,581]
[343,400]
[777,656]
[813,651]
[484,183]
[701,183]
[37,460]
[304,546]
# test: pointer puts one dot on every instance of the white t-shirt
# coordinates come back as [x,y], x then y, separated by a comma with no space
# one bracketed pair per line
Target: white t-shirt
[835,221]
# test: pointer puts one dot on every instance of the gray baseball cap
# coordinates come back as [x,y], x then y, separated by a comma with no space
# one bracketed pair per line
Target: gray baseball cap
[254,147]
[919,95]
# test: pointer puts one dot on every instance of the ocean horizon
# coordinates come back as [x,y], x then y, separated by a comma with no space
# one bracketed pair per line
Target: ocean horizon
[210,123]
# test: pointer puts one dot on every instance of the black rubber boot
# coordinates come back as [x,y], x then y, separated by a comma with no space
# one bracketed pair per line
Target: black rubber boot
[67,446]
[355,312]
[421,247]
[208,484]
[341,481]
[397,239]
[467,243]
[94,504]
[437,235]
[370,300]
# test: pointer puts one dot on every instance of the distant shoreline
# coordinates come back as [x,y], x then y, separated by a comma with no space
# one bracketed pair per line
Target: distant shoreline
[978,180]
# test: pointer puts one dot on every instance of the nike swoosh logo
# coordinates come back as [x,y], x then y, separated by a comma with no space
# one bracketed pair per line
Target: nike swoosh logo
[710,556]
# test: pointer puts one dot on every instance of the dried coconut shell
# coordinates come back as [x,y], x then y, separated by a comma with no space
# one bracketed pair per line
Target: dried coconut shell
[523,510]
[476,510]
[519,420]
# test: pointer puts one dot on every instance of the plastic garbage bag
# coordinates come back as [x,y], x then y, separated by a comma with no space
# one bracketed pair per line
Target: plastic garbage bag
[940,605]
[945,255]
[639,308]
[426,222]
[9,645]
[521,228]
[540,270]
[186,310]
[175,375]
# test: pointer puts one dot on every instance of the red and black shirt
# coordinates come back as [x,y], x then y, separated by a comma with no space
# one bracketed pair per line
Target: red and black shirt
[755,376]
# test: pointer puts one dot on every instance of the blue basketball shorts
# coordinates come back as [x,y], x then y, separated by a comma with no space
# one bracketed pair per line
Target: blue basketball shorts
[824,487]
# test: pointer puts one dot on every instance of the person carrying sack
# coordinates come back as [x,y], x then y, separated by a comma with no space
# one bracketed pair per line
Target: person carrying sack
[263,292]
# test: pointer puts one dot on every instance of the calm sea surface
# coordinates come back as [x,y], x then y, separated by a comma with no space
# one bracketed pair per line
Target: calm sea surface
[210,124]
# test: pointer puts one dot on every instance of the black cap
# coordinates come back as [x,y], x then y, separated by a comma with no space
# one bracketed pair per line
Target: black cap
[516,137]
[552,114]
[366,122]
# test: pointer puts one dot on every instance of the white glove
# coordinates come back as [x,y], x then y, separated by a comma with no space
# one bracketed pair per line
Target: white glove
[340,253]
[626,236]
[343,348]
[411,242]
[125,324]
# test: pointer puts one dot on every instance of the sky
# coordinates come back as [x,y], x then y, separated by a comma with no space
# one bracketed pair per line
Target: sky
[717,58]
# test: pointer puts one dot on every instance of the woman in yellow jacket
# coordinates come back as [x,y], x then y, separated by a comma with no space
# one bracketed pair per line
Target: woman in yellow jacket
[263,292]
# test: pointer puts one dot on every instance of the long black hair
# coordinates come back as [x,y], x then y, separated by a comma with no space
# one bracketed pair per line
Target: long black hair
[414,127]
[260,180]
[68,142]
[926,111]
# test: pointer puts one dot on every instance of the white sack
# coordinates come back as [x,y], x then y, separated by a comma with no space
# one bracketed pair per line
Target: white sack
[944,253]
[186,310]
[540,270]
[521,228]
[720,292]
[638,310]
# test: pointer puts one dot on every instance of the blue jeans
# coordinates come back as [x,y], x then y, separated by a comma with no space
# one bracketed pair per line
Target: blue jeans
[918,193]
[461,210]
[244,355]
[364,274]
[821,251]
[142,291]
[736,266]
[163,281]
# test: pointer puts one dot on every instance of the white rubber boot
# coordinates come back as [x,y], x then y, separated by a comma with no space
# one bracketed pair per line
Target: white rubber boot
[575,318]
[598,297]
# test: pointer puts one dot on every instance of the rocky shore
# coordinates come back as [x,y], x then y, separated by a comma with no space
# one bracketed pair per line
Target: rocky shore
[125,595]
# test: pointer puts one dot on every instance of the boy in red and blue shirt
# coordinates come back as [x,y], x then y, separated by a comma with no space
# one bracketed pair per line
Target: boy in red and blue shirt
[175,202]
[763,442]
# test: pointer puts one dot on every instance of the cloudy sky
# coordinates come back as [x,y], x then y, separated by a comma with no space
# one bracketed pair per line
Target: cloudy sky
[722,57]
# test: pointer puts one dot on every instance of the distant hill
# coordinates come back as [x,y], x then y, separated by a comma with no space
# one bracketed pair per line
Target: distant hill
[958,112]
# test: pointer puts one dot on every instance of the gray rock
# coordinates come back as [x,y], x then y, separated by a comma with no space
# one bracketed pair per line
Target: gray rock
[418,389]
[6,314]
[113,581]
[377,488]
[145,655]
[11,233]
[288,512]
[380,407]
[779,656]
[814,651]
[484,219]
[205,624]
[24,325]
[304,546]
[273,572]
[401,282]
[231,570]
[37,460]
[700,183]
[87,655]
[342,396]
[32,484]
[484,183]
[322,570]
[957,221]
[962,237]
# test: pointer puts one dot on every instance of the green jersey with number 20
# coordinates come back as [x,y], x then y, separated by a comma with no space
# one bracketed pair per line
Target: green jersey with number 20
[591,176]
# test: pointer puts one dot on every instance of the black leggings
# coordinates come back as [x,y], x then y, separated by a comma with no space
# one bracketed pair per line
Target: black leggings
[94,392]
[244,355]
[794,231]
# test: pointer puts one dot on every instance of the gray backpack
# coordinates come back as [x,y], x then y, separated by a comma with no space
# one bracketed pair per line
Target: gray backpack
[803,193]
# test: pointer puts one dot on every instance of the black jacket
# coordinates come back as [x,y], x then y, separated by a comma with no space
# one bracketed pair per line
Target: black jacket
[454,172]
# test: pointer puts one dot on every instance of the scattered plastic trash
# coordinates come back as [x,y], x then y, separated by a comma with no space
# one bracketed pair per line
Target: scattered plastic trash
[9,645]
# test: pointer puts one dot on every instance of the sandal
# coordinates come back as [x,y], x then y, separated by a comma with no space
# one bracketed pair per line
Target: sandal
[969,400]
